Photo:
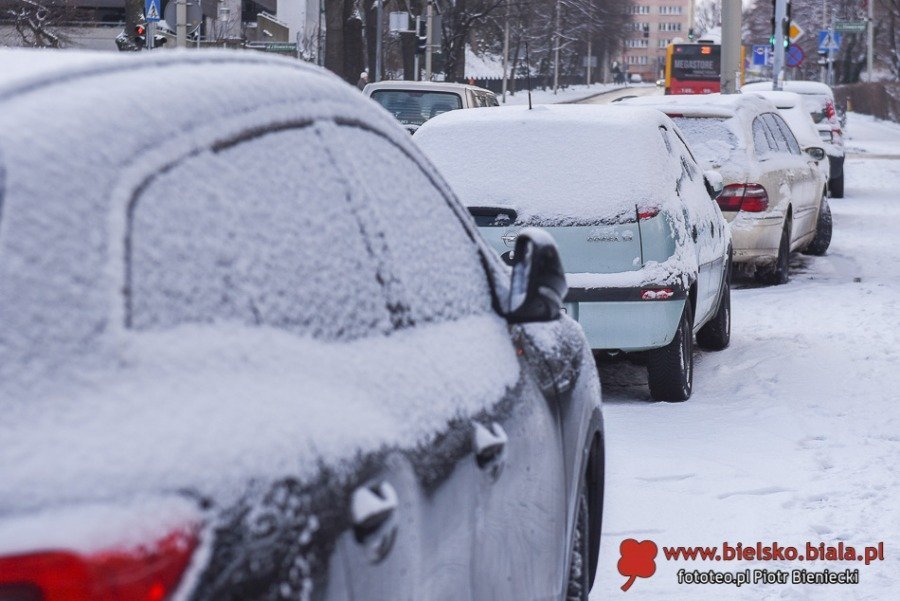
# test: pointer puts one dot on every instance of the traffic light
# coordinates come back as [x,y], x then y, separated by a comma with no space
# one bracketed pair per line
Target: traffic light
[691,34]
[421,36]
[785,26]
[140,36]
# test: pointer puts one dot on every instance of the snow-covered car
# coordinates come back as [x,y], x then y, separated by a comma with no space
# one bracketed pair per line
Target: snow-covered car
[253,349]
[775,193]
[819,101]
[413,103]
[646,250]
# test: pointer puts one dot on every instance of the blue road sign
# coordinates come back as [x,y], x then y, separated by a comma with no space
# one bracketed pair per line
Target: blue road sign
[762,55]
[794,56]
[830,42]
[151,10]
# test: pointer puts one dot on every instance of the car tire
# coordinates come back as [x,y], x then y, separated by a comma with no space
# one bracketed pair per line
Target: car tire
[779,272]
[822,240]
[579,563]
[836,186]
[716,333]
[670,369]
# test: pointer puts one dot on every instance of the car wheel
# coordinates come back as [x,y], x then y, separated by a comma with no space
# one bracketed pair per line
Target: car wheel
[779,272]
[716,333]
[823,231]
[836,186]
[670,369]
[579,564]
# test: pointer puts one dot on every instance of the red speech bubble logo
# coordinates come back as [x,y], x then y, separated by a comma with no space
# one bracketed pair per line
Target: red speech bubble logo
[637,560]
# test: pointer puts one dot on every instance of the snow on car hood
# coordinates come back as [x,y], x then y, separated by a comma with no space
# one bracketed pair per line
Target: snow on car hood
[208,408]
[555,165]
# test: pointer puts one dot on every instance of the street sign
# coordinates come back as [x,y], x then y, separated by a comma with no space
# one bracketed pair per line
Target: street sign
[794,56]
[398,21]
[850,26]
[762,55]
[830,42]
[151,11]
[796,32]
[584,62]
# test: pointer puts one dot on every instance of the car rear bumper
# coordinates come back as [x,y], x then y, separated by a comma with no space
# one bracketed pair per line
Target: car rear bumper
[755,240]
[626,325]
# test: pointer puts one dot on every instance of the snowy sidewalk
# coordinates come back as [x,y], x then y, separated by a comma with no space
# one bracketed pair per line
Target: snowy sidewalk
[570,94]
[793,433]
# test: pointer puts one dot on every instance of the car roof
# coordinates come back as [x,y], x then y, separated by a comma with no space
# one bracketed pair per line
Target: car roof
[798,87]
[435,86]
[704,105]
[594,114]
[781,100]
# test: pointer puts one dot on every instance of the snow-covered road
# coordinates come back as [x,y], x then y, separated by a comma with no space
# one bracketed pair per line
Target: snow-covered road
[793,433]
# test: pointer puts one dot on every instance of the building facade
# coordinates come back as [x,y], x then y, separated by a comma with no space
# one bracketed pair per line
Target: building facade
[655,24]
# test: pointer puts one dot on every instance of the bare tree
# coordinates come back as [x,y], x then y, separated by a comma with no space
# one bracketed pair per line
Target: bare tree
[37,23]
[706,16]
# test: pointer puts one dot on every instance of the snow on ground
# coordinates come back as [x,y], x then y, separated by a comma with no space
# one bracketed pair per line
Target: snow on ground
[793,433]
[570,94]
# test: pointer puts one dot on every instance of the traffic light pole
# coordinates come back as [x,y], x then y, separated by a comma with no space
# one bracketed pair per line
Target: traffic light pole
[870,40]
[379,25]
[730,76]
[778,59]
[429,24]
[151,34]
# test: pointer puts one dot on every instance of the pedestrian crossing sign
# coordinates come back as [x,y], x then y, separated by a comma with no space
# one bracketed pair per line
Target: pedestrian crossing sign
[151,10]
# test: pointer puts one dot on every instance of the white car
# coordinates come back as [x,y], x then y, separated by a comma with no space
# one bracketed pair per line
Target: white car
[818,99]
[774,192]
[413,103]
[647,253]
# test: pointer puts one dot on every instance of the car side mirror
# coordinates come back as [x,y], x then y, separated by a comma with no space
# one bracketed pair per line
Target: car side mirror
[815,153]
[538,284]
[714,183]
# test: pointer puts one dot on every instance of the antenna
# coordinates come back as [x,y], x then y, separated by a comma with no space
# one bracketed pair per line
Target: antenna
[528,67]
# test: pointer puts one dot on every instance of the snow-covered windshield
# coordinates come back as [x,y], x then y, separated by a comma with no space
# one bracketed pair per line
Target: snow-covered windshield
[711,139]
[415,107]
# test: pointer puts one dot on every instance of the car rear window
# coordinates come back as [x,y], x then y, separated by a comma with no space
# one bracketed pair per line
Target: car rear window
[815,104]
[260,233]
[414,107]
[710,138]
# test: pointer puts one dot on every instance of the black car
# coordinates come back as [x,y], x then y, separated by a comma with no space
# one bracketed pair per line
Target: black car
[253,348]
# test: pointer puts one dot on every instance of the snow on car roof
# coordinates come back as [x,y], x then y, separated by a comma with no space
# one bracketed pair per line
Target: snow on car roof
[781,99]
[705,105]
[555,164]
[798,87]
[94,411]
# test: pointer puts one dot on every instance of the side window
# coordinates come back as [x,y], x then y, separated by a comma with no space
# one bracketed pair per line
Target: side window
[491,100]
[259,233]
[780,141]
[687,159]
[792,143]
[427,248]
[762,138]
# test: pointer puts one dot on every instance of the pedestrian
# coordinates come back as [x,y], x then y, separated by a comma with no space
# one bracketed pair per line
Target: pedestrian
[363,80]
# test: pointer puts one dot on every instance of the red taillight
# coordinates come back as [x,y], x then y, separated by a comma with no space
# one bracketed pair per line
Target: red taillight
[648,213]
[829,109]
[657,294]
[743,197]
[148,573]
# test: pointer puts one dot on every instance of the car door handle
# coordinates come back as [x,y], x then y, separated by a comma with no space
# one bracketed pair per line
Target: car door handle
[373,509]
[490,447]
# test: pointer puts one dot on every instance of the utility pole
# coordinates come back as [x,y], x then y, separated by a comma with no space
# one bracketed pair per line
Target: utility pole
[429,35]
[870,40]
[778,59]
[556,50]
[730,75]
[823,71]
[588,77]
[830,57]
[181,24]
[379,27]
[505,54]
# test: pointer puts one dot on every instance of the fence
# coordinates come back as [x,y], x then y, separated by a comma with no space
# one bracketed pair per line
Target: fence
[881,100]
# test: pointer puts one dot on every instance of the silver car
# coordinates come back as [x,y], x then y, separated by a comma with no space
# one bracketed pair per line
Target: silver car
[775,193]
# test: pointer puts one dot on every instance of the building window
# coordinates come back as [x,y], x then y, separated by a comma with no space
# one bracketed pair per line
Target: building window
[638,43]
[640,10]
[670,27]
[638,60]
[664,43]
[639,26]
[670,10]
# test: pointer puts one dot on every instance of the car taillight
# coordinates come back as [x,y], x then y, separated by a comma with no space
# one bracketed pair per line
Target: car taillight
[752,198]
[647,213]
[148,573]
[829,109]
[657,294]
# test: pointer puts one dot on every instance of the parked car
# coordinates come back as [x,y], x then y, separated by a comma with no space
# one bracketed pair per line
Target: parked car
[646,255]
[636,78]
[253,349]
[774,192]
[413,103]
[791,107]
[819,101]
